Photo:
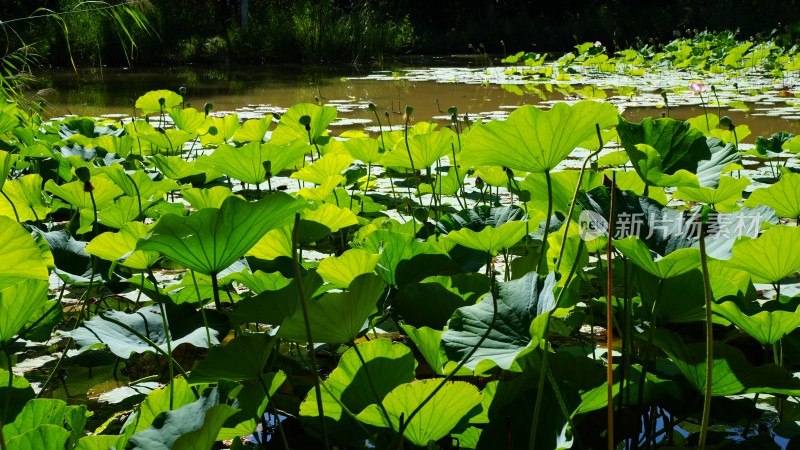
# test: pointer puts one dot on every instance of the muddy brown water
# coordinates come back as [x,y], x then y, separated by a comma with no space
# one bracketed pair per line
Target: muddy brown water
[98,92]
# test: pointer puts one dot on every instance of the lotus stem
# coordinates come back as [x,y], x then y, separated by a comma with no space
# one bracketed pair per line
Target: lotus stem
[311,352]
[13,208]
[372,385]
[202,309]
[610,315]
[276,414]
[575,194]
[709,338]
[215,289]
[543,255]
[165,323]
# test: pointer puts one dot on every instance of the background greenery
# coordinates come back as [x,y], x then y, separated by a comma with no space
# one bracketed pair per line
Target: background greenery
[212,31]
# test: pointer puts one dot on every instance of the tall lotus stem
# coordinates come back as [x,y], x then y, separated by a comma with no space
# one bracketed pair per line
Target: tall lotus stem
[543,255]
[709,336]
[311,352]
[609,315]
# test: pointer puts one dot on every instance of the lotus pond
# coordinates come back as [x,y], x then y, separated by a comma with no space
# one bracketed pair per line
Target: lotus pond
[567,275]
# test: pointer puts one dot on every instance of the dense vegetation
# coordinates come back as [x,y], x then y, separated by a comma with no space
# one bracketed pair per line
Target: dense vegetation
[560,279]
[212,31]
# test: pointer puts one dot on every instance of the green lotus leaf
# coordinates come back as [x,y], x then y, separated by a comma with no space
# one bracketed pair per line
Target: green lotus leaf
[121,246]
[366,150]
[394,248]
[38,412]
[252,401]
[676,263]
[211,197]
[250,351]
[101,442]
[458,398]
[189,120]
[105,191]
[158,401]
[480,217]
[253,130]
[149,102]
[769,258]
[211,239]
[27,197]
[170,139]
[259,281]
[8,122]
[428,342]
[22,257]
[331,216]
[191,427]
[7,161]
[613,159]
[447,184]
[724,196]
[138,183]
[16,395]
[124,210]
[350,384]
[342,270]
[289,128]
[490,239]
[433,301]
[771,147]
[328,167]
[244,163]
[667,152]
[226,126]
[523,307]
[19,302]
[186,327]
[533,140]
[733,374]
[767,327]
[783,196]
[273,306]
[274,244]
[337,317]
[425,150]
[563,187]
[177,168]
[492,175]
[43,437]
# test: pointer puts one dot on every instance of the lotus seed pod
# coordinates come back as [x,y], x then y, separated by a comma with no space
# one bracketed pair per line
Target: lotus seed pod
[182,90]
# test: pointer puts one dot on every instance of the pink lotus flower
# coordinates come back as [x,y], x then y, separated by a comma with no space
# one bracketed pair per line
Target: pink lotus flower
[597,43]
[697,87]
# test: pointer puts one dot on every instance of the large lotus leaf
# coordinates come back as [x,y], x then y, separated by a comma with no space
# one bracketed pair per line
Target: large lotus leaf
[7,161]
[732,373]
[188,119]
[22,257]
[783,196]
[124,210]
[18,304]
[331,216]
[366,150]
[226,126]
[105,191]
[259,281]
[37,412]
[649,165]
[457,398]
[676,263]
[772,146]
[8,122]
[170,139]
[709,171]
[337,317]
[138,183]
[523,307]
[249,351]
[194,426]
[342,270]
[200,198]
[273,306]
[679,146]
[42,437]
[386,365]
[27,198]
[425,150]
[178,168]
[432,302]
[70,258]
[252,400]
[274,244]
[150,102]
[771,257]
[533,140]
[186,327]
[767,327]
[563,188]
[394,248]
[242,163]
[121,246]
[211,239]
[289,128]
[479,217]
[253,130]
[681,299]
[328,167]
[428,342]
[173,396]
[448,183]
[724,197]
[490,239]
